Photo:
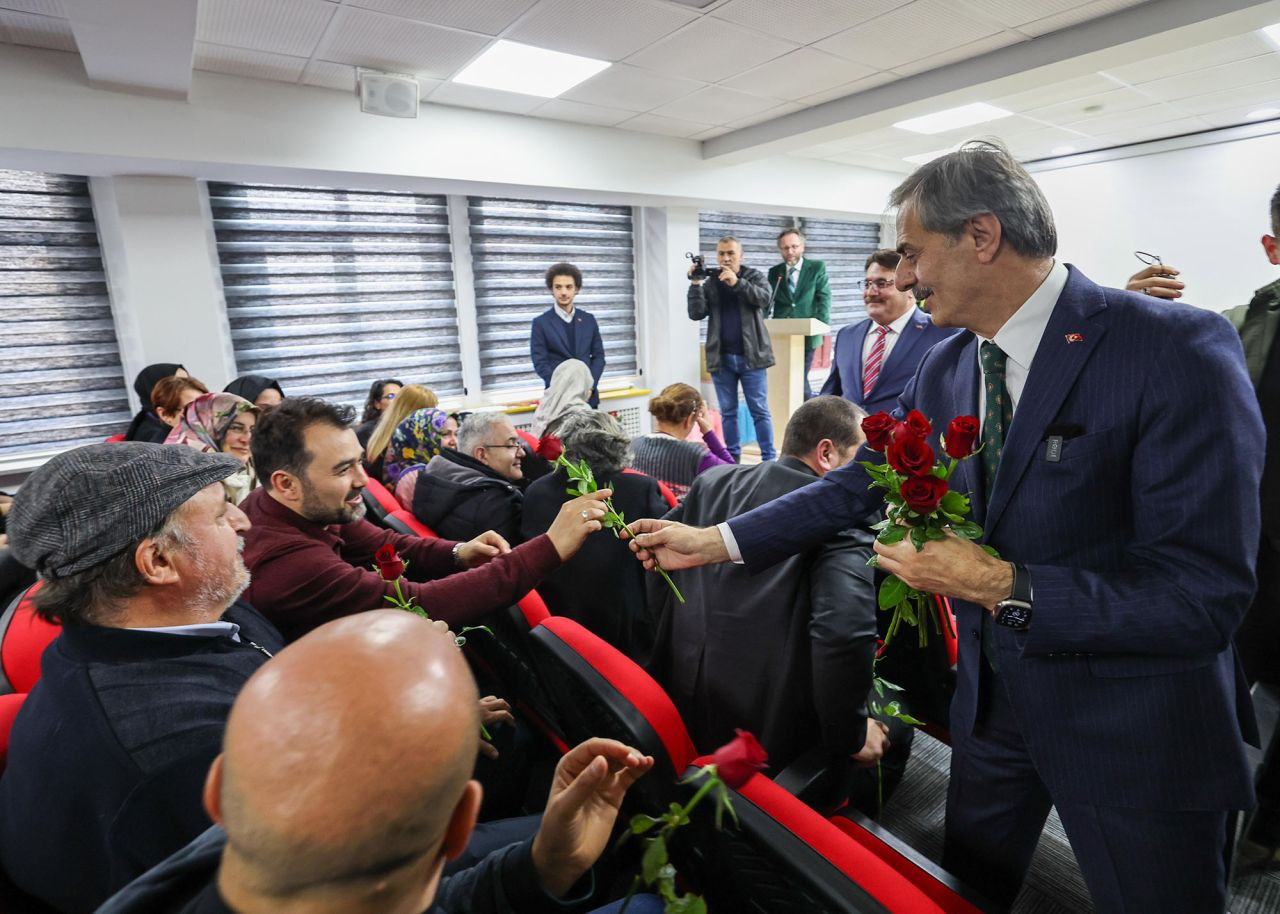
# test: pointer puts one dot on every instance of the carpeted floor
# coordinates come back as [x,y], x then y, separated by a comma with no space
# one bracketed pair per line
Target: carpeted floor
[1054,886]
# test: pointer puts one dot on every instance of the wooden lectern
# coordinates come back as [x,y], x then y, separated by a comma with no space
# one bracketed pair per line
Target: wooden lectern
[786,377]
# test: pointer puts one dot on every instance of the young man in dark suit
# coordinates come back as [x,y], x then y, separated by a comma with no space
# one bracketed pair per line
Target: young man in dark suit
[1096,670]
[800,289]
[565,332]
[876,357]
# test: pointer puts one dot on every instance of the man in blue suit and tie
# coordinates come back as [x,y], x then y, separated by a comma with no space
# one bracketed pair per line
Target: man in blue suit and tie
[564,332]
[1122,452]
[875,358]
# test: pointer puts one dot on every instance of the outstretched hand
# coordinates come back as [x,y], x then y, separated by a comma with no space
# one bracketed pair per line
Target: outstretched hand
[482,548]
[582,807]
[1157,281]
[675,546]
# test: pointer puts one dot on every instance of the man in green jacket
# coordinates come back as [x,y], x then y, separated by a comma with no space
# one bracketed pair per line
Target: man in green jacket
[800,289]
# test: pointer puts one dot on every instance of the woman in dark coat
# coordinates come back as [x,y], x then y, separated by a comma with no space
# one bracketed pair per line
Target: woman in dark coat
[146,425]
[603,586]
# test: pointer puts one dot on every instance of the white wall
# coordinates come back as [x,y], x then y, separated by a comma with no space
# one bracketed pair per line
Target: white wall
[1201,209]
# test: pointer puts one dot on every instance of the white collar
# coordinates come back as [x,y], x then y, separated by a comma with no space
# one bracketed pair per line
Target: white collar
[796,266]
[567,317]
[1019,338]
[899,323]
[226,629]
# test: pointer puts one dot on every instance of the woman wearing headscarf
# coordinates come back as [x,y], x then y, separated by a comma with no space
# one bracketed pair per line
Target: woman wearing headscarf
[409,400]
[221,424]
[146,425]
[415,441]
[261,391]
[570,389]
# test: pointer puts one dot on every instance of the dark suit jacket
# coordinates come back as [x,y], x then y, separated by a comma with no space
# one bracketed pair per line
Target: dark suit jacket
[845,380]
[812,298]
[785,653]
[549,345]
[1140,541]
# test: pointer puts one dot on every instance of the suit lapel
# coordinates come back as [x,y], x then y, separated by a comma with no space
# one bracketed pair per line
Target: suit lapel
[912,336]
[562,329]
[857,339]
[964,385]
[1069,339]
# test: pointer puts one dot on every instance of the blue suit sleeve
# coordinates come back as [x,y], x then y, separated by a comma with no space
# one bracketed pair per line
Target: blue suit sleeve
[832,385]
[538,351]
[597,351]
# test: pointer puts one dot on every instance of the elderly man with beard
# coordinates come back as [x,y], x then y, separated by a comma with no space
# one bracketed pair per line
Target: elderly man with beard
[312,553]
[138,549]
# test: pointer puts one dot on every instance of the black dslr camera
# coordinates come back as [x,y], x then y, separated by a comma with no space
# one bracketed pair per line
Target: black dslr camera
[700,268]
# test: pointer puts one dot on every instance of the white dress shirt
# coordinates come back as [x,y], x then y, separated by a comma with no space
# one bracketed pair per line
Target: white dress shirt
[566,316]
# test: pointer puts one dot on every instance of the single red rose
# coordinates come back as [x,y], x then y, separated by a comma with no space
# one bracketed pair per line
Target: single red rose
[917,424]
[922,493]
[390,565]
[961,434]
[738,760]
[878,429]
[910,455]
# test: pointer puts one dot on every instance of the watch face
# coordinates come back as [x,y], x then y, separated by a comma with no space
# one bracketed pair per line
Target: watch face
[1014,615]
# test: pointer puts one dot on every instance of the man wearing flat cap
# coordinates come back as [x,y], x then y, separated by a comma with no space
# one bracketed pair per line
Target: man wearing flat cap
[138,550]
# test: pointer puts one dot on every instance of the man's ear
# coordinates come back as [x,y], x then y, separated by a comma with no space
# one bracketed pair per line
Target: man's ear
[986,233]
[287,486]
[462,822]
[213,791]
[1272,247]
[154,562]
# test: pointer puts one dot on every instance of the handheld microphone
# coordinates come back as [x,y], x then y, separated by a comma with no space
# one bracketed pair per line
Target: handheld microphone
[777,282]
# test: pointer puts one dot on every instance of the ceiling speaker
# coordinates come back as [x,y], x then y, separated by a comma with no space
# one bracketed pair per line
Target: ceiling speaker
[388,94]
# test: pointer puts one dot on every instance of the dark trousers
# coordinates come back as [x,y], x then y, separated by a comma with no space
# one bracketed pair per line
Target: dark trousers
[808,365]
[1134,861]
[1258,639]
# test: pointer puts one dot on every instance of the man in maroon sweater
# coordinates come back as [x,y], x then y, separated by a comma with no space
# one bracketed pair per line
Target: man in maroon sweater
[310,550]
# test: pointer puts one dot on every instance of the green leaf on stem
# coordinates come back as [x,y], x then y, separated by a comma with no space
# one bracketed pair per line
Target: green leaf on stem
[967,530]
[917,538]
[640,823]
[954,503]
[990,550]
[655,857]
[893,590]
[687,904]
[932,532]
[892,534]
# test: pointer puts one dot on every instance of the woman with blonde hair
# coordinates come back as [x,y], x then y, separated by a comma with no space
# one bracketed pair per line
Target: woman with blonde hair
[665,454]
[409,400]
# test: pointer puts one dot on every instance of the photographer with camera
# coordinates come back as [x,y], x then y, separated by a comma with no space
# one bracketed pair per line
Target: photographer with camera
[736,298]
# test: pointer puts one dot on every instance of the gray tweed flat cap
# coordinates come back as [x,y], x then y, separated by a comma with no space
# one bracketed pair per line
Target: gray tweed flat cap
[86,505]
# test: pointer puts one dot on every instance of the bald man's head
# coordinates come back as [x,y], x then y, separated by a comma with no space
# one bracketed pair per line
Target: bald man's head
[346,755]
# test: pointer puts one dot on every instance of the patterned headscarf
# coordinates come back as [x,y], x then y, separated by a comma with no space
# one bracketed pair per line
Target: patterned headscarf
[414,442]
[203,425]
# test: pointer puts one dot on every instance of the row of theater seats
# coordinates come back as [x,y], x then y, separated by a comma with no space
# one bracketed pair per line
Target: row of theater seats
[782,857]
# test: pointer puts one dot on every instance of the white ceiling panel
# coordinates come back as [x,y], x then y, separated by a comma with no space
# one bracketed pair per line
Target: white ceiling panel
[1078,15]
[1257,96]
[623,86]
[604,29]
[1041,143]
[711,50]
[874,160]
[955,55]
[1019,12]
[716,105]
[37,31]
[1238,75]
[1155,116]
[242,62]
[489,17]
[330,75]
[799,74]
[853,88]
[39,7]
[1230,117]
[922,29]
[1056,92]
[488,99]
[365,39]
[711,133]
[666,126]
[561,110]
[761,117]
[1104,102]
[291,27]
[804,21]
[1145,133]
[1212,54]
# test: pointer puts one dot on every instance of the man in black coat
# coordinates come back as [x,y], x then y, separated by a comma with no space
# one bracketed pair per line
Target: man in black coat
[477,487]
[786,653]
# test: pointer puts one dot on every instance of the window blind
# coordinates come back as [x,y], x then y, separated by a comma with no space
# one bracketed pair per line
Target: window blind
[328,290]
[512,244]
[61,382]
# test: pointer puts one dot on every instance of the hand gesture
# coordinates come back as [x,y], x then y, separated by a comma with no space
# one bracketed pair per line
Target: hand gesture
[493,711]
[728,277]
[1153,281]
[877,743]
[576,520]
[482,548]
[704,424]
[587,790]
[675,546]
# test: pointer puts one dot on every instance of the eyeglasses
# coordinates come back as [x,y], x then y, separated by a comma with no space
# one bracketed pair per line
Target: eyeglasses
[387,397]
[880,284]
[508,444]
[1150,260]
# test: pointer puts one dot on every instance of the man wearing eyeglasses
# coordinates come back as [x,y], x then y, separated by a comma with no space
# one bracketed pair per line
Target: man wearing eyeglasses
[876,357]
[800,289]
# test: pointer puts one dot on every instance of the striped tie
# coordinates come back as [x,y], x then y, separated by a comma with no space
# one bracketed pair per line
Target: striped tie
[874,360]
[792,279]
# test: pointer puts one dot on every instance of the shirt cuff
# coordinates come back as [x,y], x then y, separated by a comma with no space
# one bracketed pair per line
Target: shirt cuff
[730,544]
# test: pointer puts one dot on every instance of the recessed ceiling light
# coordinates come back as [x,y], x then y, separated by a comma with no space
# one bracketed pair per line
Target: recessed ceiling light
[1262,114]
[1273,32]
[514,67]
[1062,150]
[952,118]
[922,158]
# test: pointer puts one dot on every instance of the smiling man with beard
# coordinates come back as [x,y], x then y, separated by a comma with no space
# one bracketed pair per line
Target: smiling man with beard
[312,552]
[138,549]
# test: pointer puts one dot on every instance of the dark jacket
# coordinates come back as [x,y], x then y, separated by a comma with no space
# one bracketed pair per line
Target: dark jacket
[459,498]
[551,342]
[751,297]
[186,883]
[602,586]
[146,426]
[108,756]
[786,652]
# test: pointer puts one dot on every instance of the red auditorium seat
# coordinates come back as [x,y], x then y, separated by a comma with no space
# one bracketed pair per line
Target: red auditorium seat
[9,705]
[528,438]
[114,438]
[379,500]
[667,494]
[23,638]
[404,522]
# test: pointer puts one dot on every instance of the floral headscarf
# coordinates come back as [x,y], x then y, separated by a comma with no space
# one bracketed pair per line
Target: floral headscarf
[203,425]
[414,442]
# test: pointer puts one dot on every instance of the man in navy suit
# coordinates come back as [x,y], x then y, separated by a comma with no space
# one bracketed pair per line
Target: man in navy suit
[564,332]
[875,358]
[1123,449]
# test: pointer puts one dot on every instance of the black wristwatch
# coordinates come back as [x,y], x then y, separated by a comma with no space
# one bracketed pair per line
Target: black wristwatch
[1015,610]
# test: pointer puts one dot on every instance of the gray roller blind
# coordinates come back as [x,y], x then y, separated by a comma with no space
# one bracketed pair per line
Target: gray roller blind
[512,244]
[61,384]
[328,290]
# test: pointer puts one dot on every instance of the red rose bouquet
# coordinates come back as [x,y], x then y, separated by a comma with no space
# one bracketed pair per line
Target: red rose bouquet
[920,502]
